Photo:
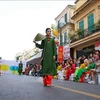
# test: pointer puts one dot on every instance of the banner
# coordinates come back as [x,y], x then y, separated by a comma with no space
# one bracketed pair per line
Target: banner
[60,54]
[66,53]
[97,46]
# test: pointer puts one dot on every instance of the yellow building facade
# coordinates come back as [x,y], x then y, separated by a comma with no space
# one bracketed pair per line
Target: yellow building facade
[87,26]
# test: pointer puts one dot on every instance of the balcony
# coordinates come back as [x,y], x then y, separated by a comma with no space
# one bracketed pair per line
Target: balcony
[86,37]
[85,33]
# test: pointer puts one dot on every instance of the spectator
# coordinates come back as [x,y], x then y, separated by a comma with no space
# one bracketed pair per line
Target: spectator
[60,75]
[89,66]
[59,66]
[40,71]
[70,70]
[82,65]
[26,70]
[75,62]
[95,71]
[91,57]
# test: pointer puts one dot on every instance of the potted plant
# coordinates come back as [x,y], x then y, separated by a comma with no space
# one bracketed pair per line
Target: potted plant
[86,33]
[80,33]
[71,37]
[76,37]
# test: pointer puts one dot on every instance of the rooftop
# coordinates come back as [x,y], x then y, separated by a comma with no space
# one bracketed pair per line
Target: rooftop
[68,6]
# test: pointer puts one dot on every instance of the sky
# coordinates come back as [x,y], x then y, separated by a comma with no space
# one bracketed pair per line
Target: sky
[20,21]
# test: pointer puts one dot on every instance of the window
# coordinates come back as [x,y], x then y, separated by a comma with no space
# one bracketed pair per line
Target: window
[65,38]
[61,40]
[81,26]
[58,24]
[91,23]
[66,18]
[62,21]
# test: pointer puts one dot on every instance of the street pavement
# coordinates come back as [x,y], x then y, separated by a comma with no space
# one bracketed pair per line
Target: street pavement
[15,87]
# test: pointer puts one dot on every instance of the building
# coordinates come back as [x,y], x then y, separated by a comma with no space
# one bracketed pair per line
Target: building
[27,54]
[87,27]
[65,27]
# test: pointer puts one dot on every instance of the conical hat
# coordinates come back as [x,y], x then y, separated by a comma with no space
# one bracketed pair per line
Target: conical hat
[39,37]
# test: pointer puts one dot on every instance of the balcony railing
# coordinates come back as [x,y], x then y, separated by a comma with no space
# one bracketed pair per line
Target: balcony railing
[64,24]
[84,33]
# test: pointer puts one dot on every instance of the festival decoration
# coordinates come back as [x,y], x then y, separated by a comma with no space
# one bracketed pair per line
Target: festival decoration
[54,30]
[4,67]
[56,41]
[60,54]
[14,69]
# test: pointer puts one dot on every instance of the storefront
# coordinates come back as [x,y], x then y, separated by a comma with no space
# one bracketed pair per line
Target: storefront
[86,51]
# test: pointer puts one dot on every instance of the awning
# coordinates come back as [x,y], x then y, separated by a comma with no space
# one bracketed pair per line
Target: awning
[35,59]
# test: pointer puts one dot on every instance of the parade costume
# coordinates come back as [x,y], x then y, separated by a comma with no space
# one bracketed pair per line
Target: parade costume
[20,69]
[70,71]
[83,69]
[48,62]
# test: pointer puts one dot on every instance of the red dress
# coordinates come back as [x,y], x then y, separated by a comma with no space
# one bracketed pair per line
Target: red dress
[70,71]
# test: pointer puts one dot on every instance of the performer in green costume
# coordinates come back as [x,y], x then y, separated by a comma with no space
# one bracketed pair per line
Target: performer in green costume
[20,68]
[48,58]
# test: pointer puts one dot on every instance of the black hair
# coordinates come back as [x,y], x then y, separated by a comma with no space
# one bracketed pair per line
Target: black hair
[81,61]
[47,29]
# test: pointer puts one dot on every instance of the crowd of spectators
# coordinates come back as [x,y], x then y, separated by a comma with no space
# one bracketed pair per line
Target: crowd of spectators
[83,69]
[34,70]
